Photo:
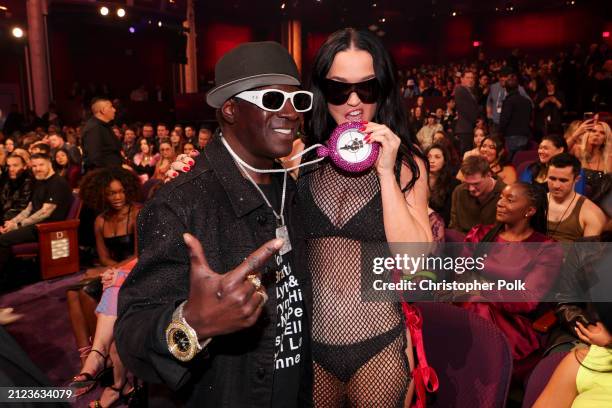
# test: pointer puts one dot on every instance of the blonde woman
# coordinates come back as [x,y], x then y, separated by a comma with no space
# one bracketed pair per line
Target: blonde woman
[594,153]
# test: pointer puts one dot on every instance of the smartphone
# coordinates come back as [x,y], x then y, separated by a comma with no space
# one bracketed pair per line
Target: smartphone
[588,115]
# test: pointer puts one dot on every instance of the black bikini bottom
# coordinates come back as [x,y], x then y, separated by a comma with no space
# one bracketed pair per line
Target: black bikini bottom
[344,360]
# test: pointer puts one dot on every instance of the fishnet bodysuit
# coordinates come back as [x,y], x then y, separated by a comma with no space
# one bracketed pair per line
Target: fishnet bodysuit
[358,348]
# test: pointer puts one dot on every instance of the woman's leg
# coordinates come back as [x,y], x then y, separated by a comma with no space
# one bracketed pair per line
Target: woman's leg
[383,380]
[88,305]
[328,391]
[120,386]
[101,342]
[79,324]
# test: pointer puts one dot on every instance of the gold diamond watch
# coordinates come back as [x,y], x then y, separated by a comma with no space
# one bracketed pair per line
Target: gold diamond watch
[182,339]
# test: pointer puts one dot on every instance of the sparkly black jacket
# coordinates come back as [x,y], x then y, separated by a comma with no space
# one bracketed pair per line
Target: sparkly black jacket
[225,212]
[15,195]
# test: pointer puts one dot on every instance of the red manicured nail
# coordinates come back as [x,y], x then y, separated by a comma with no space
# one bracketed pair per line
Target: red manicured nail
[190,162]
[362,129]
[365,122]
[185,168]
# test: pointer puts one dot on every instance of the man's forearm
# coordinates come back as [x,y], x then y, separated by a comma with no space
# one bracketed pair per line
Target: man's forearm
[40,215]
[23,214]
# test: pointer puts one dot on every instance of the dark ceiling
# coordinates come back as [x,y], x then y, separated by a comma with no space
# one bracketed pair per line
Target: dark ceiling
[326,14]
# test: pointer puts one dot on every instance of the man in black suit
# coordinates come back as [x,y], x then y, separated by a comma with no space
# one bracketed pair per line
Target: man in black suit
[468,111]
[210,310]
[515,117]
[100,146]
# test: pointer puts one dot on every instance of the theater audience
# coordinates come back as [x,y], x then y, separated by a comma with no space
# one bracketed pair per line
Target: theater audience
[176,141]
[496,98]
[65,167]
[16,189]
[479,136]
[520,217]
[188,148]
[442,182]
[129,147]
[583,379]
[56,142]
[550,146]
[492,149]
[51,198]
[425,135]
[166,157]
[595,155]
[9,145]
[515,118]
[474,200]
[145,160]
[204,136]
[550,103]
[100,147]
[113,193]
[468,110]
[570,214]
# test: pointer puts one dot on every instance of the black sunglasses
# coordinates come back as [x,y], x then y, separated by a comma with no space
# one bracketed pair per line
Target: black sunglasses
[337,93]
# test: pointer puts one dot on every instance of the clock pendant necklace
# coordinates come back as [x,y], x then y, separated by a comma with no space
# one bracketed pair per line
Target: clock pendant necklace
[281,228]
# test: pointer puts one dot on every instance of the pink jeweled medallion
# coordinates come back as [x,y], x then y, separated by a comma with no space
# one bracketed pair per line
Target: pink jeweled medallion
[348,150]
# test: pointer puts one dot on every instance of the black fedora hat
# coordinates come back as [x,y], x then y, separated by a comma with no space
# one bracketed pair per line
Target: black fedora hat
[251,65]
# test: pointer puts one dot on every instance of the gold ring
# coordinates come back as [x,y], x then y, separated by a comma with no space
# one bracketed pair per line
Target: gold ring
[255,281]
[264,298]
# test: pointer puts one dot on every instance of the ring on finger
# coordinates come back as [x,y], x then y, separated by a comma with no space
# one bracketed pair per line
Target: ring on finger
[255,281]
[264,298]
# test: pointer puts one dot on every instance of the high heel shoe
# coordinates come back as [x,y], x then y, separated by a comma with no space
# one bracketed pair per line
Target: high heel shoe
[104,376]
[121,399]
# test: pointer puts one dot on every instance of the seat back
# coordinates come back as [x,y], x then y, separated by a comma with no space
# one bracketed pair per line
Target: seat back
[75,207]
[524,165]
[524,156]
[539,378]
[470,355]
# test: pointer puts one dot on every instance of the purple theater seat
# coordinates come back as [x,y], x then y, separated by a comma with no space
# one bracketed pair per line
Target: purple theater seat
[539,378]
[451,235]
[524,156]
[470,355]
[23,250]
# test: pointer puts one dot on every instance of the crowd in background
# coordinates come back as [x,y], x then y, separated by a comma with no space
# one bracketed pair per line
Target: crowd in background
[483,126]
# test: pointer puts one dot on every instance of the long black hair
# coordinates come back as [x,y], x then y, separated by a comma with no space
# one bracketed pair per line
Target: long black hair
[538,167]
[390,109]
[538,221]
[444,181]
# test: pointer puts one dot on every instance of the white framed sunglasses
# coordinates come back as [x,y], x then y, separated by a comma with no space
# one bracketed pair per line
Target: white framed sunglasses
[273,100]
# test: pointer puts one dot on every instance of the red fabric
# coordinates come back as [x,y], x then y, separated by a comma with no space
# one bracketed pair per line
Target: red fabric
[538,272]
[424,377]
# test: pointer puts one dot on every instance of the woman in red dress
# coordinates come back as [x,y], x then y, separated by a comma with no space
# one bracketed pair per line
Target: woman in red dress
[521,218]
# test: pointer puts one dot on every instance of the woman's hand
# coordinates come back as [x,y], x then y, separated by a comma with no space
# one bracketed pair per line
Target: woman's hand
[108,278]
[389,145]
[594,334]
[182,164]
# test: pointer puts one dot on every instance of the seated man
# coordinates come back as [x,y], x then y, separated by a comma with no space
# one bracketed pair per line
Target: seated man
[50,201]
[475,200]
[16,192]
[570,215]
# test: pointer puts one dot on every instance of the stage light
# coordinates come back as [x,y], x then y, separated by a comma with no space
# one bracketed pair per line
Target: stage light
[3,8]
[159,23]
[104,11]
[476,43]
[454,13]
[132,30]
[120,12]
[17,32]
[374,4]
[382,20]
[605,34]
[283,6]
